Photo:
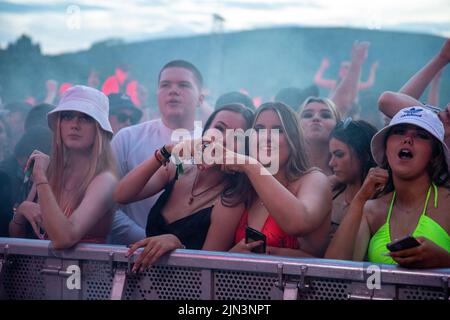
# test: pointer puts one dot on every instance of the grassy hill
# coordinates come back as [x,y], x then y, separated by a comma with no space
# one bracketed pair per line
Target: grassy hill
[261,61]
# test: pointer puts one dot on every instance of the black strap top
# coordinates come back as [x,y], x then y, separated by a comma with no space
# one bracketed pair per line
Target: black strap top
[191,230]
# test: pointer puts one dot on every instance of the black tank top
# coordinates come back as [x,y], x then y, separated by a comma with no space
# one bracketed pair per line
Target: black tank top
[191,230]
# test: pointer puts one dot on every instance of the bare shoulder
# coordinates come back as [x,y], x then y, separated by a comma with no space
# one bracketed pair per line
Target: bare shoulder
[376,210]
[107,175]
[314,180]
[333,181]
[440,213]
[99,193]
[316,176]
[103,179]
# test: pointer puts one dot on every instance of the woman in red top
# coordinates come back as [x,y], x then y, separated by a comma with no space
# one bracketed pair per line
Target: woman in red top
[288,202]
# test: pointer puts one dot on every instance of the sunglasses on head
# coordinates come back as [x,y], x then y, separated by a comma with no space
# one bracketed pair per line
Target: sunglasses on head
[344,123]
[433,108]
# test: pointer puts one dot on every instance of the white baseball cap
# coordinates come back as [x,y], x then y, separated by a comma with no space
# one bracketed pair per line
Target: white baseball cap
[86,100]
[418,116]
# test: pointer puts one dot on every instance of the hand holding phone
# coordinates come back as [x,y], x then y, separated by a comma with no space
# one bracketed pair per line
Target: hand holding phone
[252,235]
[407,242]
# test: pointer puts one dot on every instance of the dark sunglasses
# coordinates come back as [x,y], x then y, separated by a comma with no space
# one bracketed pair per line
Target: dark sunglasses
[123,117]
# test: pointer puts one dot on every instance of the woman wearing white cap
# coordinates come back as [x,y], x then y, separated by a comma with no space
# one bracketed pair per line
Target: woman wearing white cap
[73,186]
[413,200]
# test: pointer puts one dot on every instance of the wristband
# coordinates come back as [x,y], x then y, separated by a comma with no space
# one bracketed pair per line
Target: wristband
[166,154]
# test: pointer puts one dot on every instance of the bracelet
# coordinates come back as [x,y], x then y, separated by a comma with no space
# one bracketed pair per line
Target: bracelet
[39,183]
[166,154]
[157,158]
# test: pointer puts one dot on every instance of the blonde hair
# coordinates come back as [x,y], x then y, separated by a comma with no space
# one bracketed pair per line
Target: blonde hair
[101,159]
[330,104]
[298,162]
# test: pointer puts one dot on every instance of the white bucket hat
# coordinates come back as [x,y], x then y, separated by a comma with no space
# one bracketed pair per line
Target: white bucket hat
[86,100]
[418,116]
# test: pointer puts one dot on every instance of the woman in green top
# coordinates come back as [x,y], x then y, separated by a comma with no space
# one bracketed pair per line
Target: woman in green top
[409,195]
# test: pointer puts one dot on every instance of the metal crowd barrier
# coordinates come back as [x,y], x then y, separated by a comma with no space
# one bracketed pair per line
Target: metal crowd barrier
[31,269]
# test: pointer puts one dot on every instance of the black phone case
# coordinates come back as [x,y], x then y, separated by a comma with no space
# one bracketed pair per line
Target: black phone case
[402,244]
[254,235]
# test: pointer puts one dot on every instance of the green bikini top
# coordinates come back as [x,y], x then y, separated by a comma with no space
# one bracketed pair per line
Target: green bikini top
[426,227]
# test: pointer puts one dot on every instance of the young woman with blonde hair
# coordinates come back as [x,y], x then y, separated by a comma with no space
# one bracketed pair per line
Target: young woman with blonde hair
[318,116]
[73,186]
[291,205]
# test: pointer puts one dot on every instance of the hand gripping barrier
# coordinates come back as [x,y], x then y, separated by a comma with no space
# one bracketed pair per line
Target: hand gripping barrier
[31,269]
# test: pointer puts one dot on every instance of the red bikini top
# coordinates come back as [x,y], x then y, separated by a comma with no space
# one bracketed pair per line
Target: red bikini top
[276,237]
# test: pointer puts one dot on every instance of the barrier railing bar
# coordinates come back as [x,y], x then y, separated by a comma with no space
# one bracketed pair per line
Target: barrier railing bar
[349,270]
[118,286]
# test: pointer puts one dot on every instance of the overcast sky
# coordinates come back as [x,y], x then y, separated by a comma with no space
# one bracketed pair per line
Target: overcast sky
[61,26]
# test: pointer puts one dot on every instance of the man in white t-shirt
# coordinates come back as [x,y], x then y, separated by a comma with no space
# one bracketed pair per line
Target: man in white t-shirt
[179,94]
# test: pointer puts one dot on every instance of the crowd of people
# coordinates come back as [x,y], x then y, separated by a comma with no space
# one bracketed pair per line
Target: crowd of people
[309,173]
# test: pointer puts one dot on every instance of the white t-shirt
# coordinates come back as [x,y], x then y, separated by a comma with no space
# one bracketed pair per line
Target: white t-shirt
[131,146]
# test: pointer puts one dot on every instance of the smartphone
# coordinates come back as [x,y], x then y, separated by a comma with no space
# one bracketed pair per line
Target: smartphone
[28,173]
[252,235]
[407,242]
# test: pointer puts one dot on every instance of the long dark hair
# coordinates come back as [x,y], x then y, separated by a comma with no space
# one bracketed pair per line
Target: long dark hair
[235,189]
[357,135]
[437,168]
[246,113]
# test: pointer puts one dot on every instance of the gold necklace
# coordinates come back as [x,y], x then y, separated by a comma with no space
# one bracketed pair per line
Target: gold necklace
[191,198]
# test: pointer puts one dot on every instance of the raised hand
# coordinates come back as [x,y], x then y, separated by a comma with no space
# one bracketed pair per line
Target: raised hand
[360,51]
[51,85]
[444,53]
[231,161]
[187,149]
[444,116]
[325,63]
[40,162]
[375,180]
